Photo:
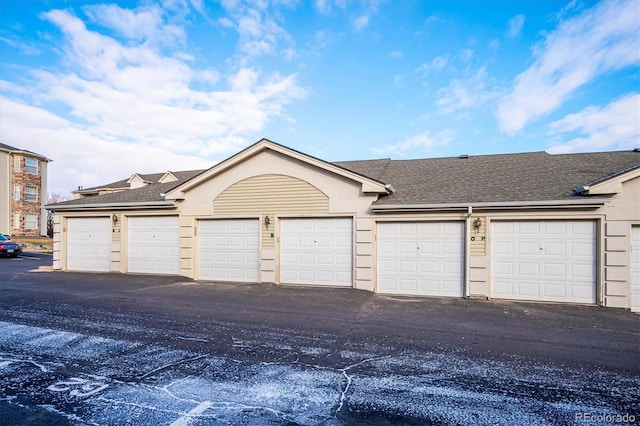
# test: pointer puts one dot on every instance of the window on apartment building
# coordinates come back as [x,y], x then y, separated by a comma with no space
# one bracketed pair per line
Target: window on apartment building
[31,166]
[16,221]
[30,193]
[16,192]
[16,163]
[30,221]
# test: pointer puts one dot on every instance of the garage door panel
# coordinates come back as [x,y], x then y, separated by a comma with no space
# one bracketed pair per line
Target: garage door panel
[553,260]
[555,229]
[529,288]
[153,244]
[89,244]
[530,228]
[503,268]
[425,267]
[504,247]
[582,271]
[582,249]
[581,291]
[408,266]
[528,248]
[430,248]
[451,286]
[408,284]
[557,290]
[552,270]
[555,249]
[317,251]
[228,250]
[528,269]
[503,288]
[503,227]
[426,259]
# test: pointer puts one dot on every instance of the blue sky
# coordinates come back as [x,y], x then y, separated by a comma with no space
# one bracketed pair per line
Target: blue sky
[106,89]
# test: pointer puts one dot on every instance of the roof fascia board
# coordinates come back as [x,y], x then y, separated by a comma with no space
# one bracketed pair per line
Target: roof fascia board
[28,153]
[613,184]
[110,206]
[585,203]
[368,185]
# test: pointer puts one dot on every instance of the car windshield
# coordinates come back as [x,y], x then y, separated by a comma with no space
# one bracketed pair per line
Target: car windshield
[3,238]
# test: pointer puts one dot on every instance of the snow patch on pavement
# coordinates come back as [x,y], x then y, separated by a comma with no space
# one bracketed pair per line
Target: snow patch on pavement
[96,380]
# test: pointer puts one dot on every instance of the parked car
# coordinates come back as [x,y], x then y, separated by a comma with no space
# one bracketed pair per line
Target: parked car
[8,247]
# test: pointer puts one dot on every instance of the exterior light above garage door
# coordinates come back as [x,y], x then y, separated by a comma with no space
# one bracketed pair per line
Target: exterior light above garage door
[477,223]
[267,221]
[114,218]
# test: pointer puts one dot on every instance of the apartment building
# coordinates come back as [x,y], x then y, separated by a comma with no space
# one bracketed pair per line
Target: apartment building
[23,192]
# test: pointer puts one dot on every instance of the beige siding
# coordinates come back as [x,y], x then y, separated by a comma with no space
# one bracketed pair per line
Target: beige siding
[116,242]
[266,194]
[478,240]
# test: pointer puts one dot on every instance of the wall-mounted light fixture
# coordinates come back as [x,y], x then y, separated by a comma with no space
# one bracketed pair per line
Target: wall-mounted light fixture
[477,223]
[267,221]
[114,218]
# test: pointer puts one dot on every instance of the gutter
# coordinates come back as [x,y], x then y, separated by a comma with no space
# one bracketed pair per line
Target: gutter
[111,206]
[592,202]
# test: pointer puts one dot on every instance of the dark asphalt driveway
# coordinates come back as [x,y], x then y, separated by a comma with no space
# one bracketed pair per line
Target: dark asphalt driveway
[110,349]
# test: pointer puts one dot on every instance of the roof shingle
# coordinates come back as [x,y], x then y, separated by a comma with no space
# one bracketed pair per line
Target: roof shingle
[534,176]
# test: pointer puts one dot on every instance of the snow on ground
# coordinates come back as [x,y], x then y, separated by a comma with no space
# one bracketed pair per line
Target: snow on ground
[104,381]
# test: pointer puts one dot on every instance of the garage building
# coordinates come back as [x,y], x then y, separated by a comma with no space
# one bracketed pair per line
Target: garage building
[532,226]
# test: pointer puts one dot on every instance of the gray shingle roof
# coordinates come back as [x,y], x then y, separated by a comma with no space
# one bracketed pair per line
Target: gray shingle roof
[146,194]
[534,176]
[149,177]
[5,147]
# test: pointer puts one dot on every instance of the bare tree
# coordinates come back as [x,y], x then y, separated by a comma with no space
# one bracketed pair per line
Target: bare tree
[52,199]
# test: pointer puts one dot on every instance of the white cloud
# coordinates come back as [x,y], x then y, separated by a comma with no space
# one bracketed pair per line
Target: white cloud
[361,22]
[113,107]
[465,93]
[82,156]
[437,64]
[602,39]
[142,23]
[514,27]
[615,126]
[259,33]
[419,144]
[325,7]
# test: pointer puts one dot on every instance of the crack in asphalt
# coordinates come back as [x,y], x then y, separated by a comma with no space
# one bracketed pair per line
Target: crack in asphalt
[168,366]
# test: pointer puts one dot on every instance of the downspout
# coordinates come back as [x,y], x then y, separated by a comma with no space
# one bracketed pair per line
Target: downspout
[467,252]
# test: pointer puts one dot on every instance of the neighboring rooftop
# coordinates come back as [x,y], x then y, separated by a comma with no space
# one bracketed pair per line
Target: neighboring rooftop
[152,178]
[9,148]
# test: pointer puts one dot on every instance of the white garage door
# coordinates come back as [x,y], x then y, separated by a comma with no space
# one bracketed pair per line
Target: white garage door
[316,251]
[153,245]
[635,268]
[88,244]
[421,258]
[228,250]
[544,260]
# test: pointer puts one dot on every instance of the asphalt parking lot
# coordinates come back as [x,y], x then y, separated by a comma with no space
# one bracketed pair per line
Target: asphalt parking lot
[110,349]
